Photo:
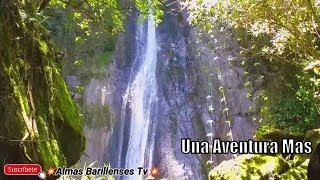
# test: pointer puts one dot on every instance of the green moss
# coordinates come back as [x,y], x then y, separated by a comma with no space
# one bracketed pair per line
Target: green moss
[269,133]
[299,172]
[67,121]
[264,166]
[43,47]
[313,136]
[105,57]
[20,99]
[250,167]
[63,102]
[35,103]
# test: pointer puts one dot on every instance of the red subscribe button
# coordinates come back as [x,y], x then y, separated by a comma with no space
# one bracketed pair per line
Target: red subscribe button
[22,169]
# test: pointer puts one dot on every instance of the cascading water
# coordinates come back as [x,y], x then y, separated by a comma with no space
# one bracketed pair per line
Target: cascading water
[139,102]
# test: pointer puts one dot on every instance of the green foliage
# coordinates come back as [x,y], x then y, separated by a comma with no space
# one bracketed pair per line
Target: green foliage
[105,58]
[80,89]
[250,166]
[90,12]
[86,30]
[299,113]
[78,62]
[278,30]
[267,133]
[93,11]
[298,172]
[291,26]
[84,56]
[277,39]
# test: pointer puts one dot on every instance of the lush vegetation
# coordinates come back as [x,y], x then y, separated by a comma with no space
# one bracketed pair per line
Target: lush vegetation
[279,47]
[94,12]
[85,31]
[279,43]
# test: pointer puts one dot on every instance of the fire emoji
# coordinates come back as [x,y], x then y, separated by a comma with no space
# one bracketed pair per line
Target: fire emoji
[50,171]
[154,172]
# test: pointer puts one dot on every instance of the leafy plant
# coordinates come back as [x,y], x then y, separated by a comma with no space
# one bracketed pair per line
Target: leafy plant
[93,12]
[299,113]
[273,37]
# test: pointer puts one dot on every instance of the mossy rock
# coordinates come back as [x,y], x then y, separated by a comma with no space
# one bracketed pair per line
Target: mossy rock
[250,167]
[40,121]
[299,172]
[313,136]
[264,166]
[268,133]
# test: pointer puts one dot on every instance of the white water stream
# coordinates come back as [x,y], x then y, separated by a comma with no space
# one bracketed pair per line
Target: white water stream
[140,95]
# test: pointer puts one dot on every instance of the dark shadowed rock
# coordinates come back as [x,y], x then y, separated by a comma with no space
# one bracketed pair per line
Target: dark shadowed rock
[314,164]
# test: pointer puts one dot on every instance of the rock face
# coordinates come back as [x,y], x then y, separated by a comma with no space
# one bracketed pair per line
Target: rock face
[98,120]
[189,75]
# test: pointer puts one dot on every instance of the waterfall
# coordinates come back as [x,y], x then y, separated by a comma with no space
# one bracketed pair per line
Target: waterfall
[139,102]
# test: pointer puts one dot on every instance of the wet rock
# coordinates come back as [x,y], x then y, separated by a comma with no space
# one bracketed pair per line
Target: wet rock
[242,128]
